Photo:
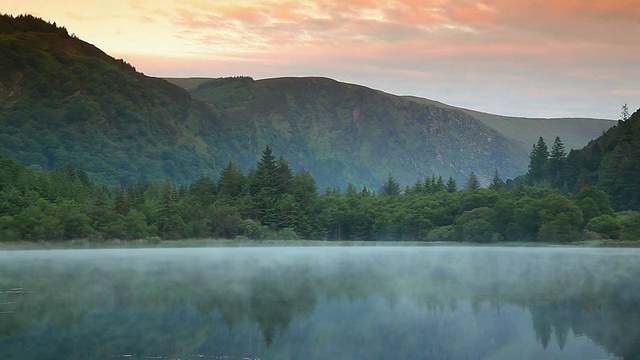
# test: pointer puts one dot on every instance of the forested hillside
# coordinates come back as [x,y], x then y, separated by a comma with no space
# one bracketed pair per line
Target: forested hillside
[64,101]
[611,162]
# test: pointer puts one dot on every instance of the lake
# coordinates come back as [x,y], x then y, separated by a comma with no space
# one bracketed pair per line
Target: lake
[381,302]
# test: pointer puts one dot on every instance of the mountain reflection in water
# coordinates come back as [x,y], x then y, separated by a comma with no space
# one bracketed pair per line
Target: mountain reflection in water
[321,303]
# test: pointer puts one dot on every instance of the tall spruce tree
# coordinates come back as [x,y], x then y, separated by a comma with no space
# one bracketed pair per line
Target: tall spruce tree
[538,159]
[473,183]
[496,182]
[555,163]
[264,188]
[390,187]
[231,181]
[452,186]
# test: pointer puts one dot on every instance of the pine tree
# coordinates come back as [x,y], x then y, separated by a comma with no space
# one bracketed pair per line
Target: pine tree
[284,176]
[231,181]
[538,159]
[497,183]
[624,113]
[390,187]
[264,177]
[556,161]
[264,188]
[440,185]
[452,186]
[473,183]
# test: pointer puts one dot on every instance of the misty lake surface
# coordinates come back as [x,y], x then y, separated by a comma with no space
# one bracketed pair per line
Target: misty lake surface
[381,302]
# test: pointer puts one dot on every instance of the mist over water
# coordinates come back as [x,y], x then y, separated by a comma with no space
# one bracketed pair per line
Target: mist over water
[321,303]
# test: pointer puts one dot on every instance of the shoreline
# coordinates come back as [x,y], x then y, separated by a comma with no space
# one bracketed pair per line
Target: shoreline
[209,243]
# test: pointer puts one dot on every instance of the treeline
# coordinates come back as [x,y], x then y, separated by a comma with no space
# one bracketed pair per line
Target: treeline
[24,23]
[610,162]
[270,201]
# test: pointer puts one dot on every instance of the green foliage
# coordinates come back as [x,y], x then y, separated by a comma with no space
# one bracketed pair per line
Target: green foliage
[611,162]
[67,204]
[593,202]
[473,183]
[556,162]
[390,187]
[560,219]
[630,226]
[605,225]
[476,225]
[538,160]
[64,101]
[442,233]
[496,182]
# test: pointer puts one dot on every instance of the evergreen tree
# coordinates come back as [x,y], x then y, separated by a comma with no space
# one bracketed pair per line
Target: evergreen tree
[265,177]
[204,191]
[390,187]
[624,113]
[497,183]
[440,185]
[231,181]
[417,188]
[122,204]
[264,188]
[538,159]
[556,162]
[284,176]
[452,186]
[473,183]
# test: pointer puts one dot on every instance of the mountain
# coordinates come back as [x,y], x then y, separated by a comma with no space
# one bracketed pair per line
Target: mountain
[355,134]
[64,101]
[574,132]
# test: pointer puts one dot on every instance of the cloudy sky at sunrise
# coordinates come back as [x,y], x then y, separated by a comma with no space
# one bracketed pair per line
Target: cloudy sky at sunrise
[537,58]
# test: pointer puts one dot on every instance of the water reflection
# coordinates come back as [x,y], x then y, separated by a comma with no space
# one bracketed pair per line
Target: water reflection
[320,303]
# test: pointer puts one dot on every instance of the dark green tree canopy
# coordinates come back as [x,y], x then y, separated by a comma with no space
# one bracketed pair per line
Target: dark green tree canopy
[390,187]
[538,159]
[473,183]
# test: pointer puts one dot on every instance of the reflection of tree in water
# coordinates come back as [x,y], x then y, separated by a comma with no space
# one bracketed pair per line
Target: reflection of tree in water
[610,319]
[274,304]
[591,296]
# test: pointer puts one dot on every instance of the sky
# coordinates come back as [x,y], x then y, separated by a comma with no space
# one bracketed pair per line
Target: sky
[533,58]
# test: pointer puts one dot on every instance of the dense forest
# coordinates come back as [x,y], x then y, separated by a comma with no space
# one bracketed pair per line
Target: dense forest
[271,202]
[64,100]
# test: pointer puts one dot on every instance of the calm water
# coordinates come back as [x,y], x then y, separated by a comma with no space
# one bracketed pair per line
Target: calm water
[321,303]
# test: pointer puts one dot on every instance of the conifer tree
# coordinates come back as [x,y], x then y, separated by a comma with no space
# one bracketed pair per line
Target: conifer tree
[440,185]
[231,181]
[624,113]
[538,159]
[264,187]
[390,187]
[284,176]
[473,183]
[452,186]
[497,183]
[556,161]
